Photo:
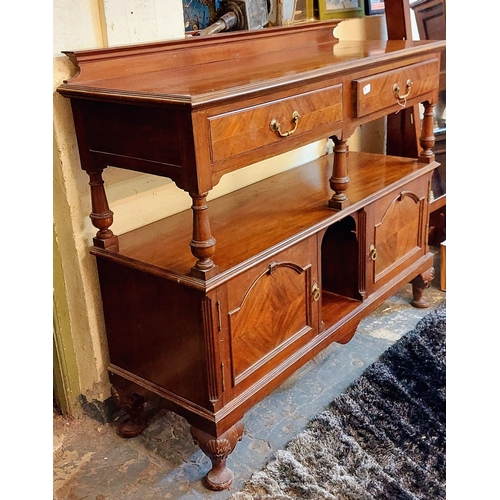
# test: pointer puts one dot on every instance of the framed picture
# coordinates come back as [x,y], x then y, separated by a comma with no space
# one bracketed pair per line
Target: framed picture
[375,7]
[336,9]
[304,11]
[284,12]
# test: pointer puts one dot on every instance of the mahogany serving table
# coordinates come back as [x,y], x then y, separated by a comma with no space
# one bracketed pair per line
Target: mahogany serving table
[300,258]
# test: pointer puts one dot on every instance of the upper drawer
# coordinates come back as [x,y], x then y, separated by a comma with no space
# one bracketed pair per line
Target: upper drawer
[247,129]
[380,91]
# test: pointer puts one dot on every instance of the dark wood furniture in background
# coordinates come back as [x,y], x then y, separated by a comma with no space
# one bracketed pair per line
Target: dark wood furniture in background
[430,16]
[300,258]
[403,130]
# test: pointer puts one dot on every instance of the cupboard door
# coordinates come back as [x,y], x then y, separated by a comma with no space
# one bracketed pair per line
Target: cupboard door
[272,311]
[397,231]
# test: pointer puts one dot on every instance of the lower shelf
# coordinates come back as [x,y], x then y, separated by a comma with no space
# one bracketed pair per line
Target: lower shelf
[335,306]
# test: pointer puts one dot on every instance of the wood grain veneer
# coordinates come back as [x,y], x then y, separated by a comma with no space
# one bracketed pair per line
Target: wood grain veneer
[213,308]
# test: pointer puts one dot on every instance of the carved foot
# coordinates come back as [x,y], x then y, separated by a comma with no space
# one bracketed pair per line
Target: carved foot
[419,284]
[134,421]
[218,449]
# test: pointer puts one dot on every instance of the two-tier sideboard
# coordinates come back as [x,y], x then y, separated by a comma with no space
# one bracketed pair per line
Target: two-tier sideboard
[213,308]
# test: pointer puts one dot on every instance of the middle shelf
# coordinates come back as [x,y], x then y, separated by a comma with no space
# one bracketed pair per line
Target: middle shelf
[255,221]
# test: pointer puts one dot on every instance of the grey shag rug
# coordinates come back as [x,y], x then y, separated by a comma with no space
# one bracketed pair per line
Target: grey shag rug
[384,438]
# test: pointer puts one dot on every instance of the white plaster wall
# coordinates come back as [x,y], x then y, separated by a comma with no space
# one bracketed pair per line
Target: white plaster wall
[76,25]
[136,21]
[81,24]
[136,199]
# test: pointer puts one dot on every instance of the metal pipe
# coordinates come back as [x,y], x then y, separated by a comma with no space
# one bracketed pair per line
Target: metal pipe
[226,22]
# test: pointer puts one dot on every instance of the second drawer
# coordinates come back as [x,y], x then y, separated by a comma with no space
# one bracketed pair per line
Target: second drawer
[380,91]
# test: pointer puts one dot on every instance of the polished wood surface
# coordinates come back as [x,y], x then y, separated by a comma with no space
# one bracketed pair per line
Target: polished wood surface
[403,129]
[213,308]
[233,133]
[227,65]
[195,109]
[430,16]
[147,112]
[372,92]
[247,225]
[263,306]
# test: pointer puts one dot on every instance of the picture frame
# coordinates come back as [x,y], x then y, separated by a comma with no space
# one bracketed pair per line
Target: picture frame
[338,9]
[286,12]
[304,11]
[373,7]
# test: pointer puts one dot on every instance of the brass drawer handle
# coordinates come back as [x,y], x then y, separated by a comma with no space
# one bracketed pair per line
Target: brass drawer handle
[276,126]
[373,252]
[316,293]
[396,90]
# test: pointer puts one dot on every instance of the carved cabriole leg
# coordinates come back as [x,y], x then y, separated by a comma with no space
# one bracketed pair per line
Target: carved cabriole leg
[203,243]
[339,181]
[218,449]
[134,422]
[427,138]
[101,216]
[419,284]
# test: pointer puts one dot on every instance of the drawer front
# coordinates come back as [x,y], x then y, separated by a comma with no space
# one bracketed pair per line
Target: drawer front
[377,92]
[237,132]
[271,313]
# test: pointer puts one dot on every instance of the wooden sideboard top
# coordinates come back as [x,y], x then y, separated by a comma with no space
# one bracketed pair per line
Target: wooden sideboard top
[263,217]
[197,71]
[198,108]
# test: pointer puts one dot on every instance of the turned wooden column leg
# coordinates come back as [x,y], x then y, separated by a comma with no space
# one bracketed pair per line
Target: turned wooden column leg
[101,216]
[427,138]
[203,243]
[218,449]
[134,421]
[419,284]
[339,181]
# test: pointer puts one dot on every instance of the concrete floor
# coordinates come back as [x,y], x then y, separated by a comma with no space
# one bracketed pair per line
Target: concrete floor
[92,462]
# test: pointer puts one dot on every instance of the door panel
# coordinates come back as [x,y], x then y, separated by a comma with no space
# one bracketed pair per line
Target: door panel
[397,234]
[399,224]
[271,312]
